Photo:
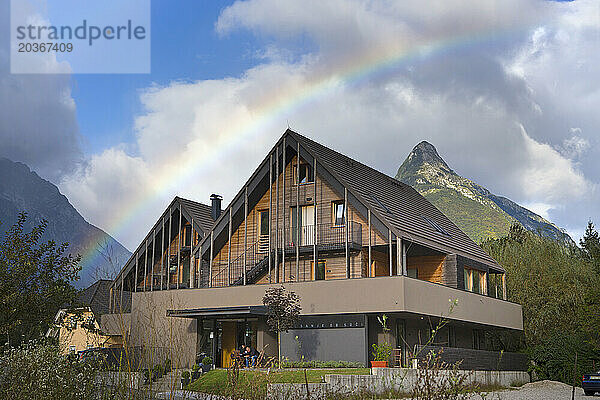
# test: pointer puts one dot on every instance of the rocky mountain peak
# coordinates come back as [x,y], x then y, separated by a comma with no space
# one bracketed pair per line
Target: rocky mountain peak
[478,212]
[422,155]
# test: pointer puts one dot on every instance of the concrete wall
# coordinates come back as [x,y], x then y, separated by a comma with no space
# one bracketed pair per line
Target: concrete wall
[385,379]
[347,344]
[156,336]
[152,329]
[365,295]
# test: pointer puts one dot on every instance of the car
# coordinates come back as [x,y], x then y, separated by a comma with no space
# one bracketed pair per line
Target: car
[110,358]
[591,383]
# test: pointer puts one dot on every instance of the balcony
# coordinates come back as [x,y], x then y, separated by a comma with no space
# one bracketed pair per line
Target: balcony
[329,239]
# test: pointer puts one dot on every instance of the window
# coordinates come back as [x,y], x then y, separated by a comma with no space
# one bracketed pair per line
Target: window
[475,281]
[478,339]
[451,336]
[264,223]
[318,274]
[338,213]
[306,173]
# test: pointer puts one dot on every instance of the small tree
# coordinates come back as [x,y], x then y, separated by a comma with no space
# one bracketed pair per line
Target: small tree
[283,310]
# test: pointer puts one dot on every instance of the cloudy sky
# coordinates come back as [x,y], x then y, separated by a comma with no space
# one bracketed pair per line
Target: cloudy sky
[508,91]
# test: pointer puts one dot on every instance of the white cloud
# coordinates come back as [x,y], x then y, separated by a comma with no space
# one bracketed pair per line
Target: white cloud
[38,121]
[471,101]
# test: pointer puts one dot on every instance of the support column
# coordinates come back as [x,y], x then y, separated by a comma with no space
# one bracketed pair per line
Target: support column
[284,155]
[298,227]
[110,300]
[136,272]
[192,257]
[229,248]
[404,264]
[121,294]
[210,264]
[245,229]
[504,297]
[390,251]
[346,222]
[162,256]
[146,265]
[152,261]
[370,256]
[315,218]
[270,210]
[179,248]
[169,255]
[277,216]
[399,265]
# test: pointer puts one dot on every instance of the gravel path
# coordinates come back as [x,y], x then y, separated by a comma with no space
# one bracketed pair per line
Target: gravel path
[542,390]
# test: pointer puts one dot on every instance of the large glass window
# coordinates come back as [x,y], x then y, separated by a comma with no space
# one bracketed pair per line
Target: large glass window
[475,281]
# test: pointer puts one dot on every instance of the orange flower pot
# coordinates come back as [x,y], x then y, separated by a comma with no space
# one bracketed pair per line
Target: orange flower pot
[378,364]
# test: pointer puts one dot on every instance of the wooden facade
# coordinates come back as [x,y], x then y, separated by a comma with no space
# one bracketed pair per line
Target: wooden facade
[296,221]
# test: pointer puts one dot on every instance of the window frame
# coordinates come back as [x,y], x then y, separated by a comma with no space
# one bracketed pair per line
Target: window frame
[309,173]
[469,280]
[334,219]
[260,223]
[313,270]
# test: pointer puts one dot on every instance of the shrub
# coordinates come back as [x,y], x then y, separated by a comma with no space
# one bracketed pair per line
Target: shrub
[382,352]
[207,361]
[195,368]
[185,375]
[38,370]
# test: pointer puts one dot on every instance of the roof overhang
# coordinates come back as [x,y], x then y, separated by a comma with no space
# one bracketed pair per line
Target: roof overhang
[232,312]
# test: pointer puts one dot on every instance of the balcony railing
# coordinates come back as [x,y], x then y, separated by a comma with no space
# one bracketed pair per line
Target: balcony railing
[329,237]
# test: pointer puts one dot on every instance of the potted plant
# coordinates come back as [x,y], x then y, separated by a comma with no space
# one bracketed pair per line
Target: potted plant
[185,379]
[381,355]
[206,364]
[196,372]
[382,352]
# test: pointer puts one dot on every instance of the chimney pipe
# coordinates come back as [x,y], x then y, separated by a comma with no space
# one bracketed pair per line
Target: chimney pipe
[215,205]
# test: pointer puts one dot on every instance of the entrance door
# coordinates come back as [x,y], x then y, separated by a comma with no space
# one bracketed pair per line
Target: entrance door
[228,342]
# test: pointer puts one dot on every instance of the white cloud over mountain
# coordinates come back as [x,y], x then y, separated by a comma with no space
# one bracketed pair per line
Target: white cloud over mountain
[496,86]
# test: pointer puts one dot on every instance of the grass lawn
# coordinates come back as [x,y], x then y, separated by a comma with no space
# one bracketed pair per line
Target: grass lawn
[254,383]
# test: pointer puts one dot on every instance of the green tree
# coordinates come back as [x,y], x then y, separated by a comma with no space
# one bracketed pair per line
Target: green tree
[283,310]
[590,245]
[35,281]
[558,290]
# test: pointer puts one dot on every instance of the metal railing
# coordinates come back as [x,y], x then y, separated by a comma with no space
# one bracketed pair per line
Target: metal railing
[328,237]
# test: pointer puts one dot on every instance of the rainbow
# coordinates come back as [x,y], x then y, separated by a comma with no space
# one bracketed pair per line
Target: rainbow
[284,103]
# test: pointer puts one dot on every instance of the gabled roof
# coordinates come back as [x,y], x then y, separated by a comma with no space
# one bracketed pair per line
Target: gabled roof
[398,204]
[201,213]
[96,296]
[400,207]
[198,212]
